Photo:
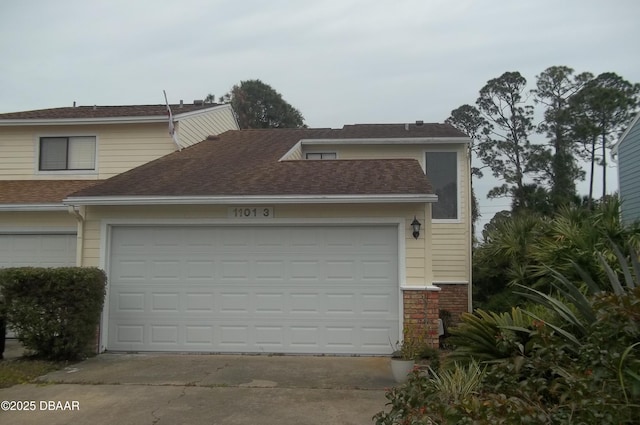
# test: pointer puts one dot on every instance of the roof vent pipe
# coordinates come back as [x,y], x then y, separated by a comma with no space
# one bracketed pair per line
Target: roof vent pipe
[181,103]
[74,103]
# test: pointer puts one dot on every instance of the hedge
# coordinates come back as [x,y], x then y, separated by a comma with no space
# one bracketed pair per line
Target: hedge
[54,311]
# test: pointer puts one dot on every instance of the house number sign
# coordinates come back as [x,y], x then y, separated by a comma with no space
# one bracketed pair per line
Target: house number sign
[250,212]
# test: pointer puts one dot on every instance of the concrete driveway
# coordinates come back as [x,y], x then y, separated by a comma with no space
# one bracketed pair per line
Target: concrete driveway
[205,389]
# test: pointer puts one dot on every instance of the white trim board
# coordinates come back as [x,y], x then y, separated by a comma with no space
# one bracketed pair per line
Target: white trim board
[244,200]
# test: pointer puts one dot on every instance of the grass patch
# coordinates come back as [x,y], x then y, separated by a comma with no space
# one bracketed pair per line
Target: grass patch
[24,370]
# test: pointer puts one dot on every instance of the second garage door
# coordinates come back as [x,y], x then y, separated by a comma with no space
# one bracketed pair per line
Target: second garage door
[37,250]
[272,289]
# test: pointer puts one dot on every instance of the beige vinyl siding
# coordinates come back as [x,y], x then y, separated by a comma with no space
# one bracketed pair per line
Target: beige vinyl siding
[295,154]
[36,221]
[415,252]
[452,239]
[120,147]
[369,151]
[17,153]
[196,128]
[450,242]
[123,147]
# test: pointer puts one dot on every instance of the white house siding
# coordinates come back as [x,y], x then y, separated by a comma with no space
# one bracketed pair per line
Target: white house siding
[195,128]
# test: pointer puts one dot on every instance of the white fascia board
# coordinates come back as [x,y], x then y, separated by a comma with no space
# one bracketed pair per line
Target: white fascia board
[84,121]
[386,141]
[290,152]
[33,207]
[107,120]
[177,115]
[247,200]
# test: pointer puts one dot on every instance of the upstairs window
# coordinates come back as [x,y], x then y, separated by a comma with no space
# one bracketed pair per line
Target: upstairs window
[442,171]
[321,155]
[67,153]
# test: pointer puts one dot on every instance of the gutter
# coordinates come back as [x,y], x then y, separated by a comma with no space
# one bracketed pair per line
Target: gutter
[32,207]
[246,200]
[105,120]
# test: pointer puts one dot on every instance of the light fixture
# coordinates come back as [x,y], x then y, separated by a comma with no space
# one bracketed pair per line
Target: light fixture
[415,225]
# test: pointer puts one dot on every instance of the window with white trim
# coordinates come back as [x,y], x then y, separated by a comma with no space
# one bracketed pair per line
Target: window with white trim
[321,155]
[442,171]
[67,153]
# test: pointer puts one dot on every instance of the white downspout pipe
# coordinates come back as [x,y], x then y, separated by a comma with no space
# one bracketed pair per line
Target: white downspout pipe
[79,213]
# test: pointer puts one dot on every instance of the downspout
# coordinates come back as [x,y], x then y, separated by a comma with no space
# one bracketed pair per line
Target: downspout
[80,214]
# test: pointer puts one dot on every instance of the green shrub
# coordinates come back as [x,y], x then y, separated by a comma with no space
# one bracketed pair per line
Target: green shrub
[489,336]
[54,311]
[573,359]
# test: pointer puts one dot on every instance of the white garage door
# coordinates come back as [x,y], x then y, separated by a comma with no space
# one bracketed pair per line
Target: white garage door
[272,289]
[38,250]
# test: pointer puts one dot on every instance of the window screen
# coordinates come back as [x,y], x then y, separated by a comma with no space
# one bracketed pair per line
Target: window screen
[321,155]
[67,153]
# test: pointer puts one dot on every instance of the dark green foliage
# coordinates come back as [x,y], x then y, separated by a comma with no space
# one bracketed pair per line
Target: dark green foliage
[599,112]
[506,148]
[583,116]
[54,311]
[258,105]
[554,87]
[489,336]
[521,248]
[574,360]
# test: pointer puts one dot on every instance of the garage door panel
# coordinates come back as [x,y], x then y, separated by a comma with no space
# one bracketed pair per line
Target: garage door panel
[37,250]
[301,289]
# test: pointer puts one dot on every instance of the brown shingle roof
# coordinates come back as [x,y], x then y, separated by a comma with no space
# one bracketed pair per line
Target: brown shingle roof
[39,191]
[80,112]
[246,162]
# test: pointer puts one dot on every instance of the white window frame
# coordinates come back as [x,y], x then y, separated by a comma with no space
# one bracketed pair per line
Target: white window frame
[459,182]
[37,148]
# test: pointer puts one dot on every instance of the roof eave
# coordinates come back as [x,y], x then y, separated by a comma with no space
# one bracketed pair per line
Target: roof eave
[109,120]
[386,141]
[245,200]
[84,121]
[32,207]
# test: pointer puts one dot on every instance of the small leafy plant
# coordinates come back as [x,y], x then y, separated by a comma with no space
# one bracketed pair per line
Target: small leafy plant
[411,347]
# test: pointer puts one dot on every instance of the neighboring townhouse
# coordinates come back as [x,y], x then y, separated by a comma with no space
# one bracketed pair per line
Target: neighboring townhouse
[627,151]
[47,154]
[323,241]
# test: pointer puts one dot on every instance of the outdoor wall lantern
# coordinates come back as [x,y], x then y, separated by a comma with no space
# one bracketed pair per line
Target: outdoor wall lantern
[415,225]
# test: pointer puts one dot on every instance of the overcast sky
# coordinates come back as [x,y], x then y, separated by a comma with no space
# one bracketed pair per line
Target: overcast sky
[339,61]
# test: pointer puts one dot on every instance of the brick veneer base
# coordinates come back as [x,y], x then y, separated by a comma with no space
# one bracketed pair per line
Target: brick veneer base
[421,312]
[454,298]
